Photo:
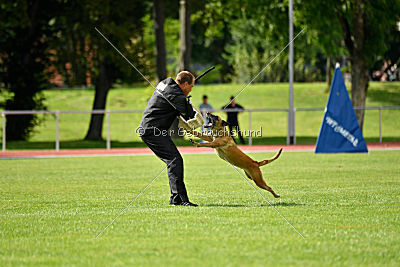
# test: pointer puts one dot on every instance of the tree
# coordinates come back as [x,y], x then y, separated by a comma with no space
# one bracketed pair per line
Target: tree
[185,50]
[242,36]
[81,46]
[365,27]
[161,58]
[73,52]
[121,22]
[27,28]
[269,35]
[212,34]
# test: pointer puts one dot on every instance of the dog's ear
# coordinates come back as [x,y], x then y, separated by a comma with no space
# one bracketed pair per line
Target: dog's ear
[224,123]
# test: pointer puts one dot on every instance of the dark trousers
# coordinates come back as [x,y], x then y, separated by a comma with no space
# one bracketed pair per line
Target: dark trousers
[166,150]
[236,127]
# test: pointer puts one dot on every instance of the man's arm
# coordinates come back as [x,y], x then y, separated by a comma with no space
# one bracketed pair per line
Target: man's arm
[239,106]
[184,107]
[189,110]
[193,132]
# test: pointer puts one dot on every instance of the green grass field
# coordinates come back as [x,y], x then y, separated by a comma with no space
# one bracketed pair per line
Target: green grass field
[346,205]
[73,127]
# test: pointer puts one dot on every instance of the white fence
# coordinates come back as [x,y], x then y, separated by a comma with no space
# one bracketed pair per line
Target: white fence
[57,113]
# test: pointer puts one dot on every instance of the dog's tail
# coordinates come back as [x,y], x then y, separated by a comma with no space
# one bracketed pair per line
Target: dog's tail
[266,161]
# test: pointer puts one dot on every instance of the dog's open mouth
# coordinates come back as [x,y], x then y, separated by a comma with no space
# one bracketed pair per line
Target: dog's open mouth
[209,125]
[212,119]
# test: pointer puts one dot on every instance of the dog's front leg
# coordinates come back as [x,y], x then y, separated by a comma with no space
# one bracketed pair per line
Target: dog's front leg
[214,144]
[202,136]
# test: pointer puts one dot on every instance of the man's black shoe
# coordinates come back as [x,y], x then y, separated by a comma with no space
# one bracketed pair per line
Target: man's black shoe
[188,203]
[185,203]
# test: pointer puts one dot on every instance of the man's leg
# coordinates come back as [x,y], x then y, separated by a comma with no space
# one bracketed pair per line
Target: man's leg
[240,134]
[166,150]
[231,132]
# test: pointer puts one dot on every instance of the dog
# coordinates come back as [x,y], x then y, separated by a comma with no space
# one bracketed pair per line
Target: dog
[226,148]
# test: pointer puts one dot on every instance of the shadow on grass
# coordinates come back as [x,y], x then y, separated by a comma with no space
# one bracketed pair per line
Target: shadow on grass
[282,204]
[387,93]
[285,204]
[86,144]
[224,205]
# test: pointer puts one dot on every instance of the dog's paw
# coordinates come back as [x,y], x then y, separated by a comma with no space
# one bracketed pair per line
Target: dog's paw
[193,142]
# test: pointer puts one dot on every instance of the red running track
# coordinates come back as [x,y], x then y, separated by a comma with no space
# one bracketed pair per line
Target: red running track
[183,150]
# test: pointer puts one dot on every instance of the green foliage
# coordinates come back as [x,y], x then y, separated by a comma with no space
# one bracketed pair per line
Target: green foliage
[346,206]
[150,43]
[211,28]
[253,47]
[379,19]
[320,20]
[24,45]
[85,49]
[244,36]
[171,31]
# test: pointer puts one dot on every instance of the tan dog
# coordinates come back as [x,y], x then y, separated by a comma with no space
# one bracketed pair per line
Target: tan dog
[227,150]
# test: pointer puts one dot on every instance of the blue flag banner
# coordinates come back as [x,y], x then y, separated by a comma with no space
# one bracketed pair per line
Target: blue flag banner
[340,131]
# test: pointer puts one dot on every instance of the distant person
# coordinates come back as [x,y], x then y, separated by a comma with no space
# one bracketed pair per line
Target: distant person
[232,118]
[204,107]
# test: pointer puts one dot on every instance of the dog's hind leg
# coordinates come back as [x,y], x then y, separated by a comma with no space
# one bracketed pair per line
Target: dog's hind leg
[266,161]
[257,177]
[248,175]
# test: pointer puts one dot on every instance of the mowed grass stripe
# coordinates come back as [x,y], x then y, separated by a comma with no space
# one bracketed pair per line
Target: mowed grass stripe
[347,206]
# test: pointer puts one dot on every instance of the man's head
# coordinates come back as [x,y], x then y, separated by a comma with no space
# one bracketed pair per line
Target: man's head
[185,80]
[232,100]
[205,99]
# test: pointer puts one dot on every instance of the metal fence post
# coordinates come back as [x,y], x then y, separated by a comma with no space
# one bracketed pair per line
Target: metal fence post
[3,115]
[250,133]
[108,130]
[380,124]
[287,137]
[57,130]
[294,126]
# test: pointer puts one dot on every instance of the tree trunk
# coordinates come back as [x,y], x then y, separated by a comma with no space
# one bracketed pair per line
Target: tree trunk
[185,41]
[354,40]
[24,76]
[159,18]
[102,87]
[328,75]
[359,69]
[359,86]
[18,127]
